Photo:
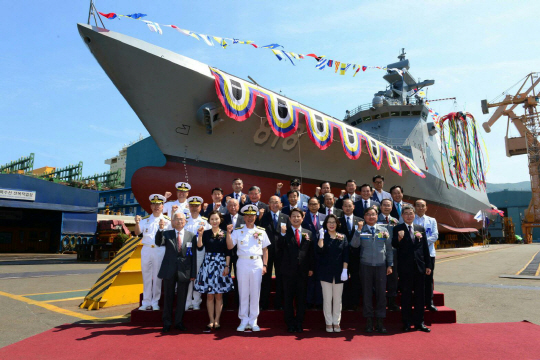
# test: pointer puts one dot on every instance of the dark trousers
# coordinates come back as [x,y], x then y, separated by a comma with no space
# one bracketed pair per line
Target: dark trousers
[266,283]
[352,287]
[429,284]
[168,300]
[314,289]
[412,280]
[373,277]
[392,279]
[294,288]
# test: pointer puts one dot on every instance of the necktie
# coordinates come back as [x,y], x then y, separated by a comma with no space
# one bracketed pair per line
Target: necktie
[236,196]
[398,205]
[216,207]
[314,220]
[411,232]
[179,242]
[372,230]
[387,219]
[275,221]
[365,204]
[233,220]
[329,211]
[297,237]
[349,224]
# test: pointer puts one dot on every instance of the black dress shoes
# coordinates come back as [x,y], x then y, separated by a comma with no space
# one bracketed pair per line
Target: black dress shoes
[291,329]
[166,329]
[369,325]
[299,329]
[407,328]
[422,327]
[432,308]
[180,327]
[379,327]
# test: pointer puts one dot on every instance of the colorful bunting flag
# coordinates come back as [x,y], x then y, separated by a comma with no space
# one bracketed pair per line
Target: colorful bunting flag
[153,27]
[321,64]
[272,46]
[207,39]
[109,16]
[337,66]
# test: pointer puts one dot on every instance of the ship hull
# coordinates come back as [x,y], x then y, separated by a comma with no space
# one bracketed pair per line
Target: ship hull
[166,90]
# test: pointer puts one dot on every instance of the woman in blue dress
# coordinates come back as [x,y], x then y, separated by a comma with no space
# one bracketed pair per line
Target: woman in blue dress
[213,278]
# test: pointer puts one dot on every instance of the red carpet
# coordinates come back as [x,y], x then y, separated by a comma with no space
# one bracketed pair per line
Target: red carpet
[446,341]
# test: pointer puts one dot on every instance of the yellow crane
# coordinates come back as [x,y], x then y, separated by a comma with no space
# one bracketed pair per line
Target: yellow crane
[528,126]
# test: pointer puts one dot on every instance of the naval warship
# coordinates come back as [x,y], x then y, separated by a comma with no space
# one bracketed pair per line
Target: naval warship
[213,127]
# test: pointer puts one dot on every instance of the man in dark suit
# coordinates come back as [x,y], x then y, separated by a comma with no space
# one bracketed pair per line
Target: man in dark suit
[328,207]
[237,193]
[296,184]
[313,222]
[178,269]
[295,247]
[232,217]
[322,190]
[293,196]
[348,193]
[397,202]
[348,225]
[271,221]
[217,198]
[410,240]
[365,201]
[255,199]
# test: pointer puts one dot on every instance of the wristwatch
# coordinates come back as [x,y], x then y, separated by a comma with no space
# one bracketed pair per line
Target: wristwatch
[264,265]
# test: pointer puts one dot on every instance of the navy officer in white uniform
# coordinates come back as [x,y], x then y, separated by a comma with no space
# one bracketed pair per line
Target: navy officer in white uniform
[152,255]
[182,193]
[251,242]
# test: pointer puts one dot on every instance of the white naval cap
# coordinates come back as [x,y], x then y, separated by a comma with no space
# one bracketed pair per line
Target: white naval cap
[157,199]
[250,209]
[195,200]
[183,186]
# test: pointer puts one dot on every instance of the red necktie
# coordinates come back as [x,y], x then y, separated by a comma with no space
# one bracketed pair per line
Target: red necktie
[179,240]
[387,219]
[297,237]
[314,220]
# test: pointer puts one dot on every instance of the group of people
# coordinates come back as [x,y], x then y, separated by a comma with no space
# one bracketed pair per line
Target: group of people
[324,251]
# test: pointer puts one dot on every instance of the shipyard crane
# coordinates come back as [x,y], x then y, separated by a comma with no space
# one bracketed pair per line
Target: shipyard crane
[528,126]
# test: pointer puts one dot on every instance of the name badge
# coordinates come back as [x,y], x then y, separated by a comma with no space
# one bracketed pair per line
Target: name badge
[304,204]
[428,231]
[188,245]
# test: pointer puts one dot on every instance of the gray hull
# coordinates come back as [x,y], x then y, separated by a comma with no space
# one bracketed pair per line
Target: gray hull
[166,90]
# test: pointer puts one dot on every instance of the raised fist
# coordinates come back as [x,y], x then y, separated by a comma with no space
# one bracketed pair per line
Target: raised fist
[162,224]
[401,235]
[137,219]
[243,198]
[200,229]
[168,194]
[343,192]
[261,213]
[230,228]
[279,186]
[283,229]
[360,225]
[205,205]
[317,191]
[174,210]
[227,198]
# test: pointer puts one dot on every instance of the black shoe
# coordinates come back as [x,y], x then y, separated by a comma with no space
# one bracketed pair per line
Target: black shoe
[407,328]
[369,325]
[380,326]
[392,306]
[180,327]
[291,329]
[422,327]
[278,308]
[432,308]
[299,329]
[166,329]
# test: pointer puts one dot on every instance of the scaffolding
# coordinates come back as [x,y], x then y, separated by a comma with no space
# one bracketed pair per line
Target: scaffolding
[21,166]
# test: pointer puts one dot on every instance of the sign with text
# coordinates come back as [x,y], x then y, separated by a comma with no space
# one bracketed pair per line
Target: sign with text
[17,194]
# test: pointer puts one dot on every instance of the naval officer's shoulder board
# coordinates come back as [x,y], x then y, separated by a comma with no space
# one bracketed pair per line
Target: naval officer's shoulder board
[146,217]
[166,217]
[239,227]
[202,217]
[261,228]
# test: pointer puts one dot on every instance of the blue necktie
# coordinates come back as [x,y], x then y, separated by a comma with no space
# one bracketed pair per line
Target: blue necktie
[398,205]
[365,204]
[372,231]
[275,221]
[349,225]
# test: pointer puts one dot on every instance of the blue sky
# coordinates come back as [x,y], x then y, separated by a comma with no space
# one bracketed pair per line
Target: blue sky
[57,102]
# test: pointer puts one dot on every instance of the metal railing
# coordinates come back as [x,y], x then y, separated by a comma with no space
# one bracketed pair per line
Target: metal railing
[391,102]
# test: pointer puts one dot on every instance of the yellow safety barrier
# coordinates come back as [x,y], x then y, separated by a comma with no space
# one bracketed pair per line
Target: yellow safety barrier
[121,282]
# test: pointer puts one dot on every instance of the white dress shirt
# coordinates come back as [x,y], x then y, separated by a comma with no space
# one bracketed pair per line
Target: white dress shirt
[432,233]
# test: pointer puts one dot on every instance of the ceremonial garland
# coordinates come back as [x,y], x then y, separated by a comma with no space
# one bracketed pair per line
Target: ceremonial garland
[461,150]
[322,61]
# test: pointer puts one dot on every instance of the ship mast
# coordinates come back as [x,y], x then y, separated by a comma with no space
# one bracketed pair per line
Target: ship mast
[92,13]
